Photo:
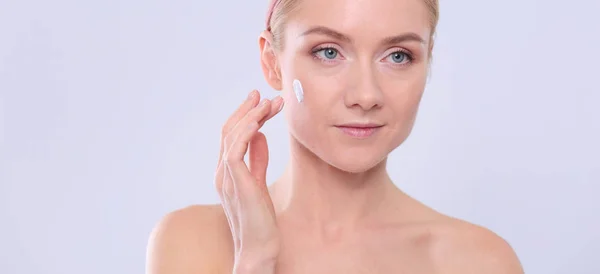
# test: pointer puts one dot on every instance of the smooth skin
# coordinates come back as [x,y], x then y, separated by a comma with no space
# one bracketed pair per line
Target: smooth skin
[335,209]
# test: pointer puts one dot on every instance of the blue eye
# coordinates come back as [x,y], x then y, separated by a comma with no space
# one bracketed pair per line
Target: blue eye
[399,57]
[327,53]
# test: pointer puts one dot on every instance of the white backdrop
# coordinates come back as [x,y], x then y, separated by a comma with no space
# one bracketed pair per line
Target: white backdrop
[111,111]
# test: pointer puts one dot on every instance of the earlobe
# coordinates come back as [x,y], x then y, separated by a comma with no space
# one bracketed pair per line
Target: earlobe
[268,61]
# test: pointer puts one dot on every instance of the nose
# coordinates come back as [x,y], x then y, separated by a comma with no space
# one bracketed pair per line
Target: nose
[364,92]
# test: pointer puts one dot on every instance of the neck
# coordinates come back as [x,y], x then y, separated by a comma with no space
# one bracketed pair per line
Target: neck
[314,193]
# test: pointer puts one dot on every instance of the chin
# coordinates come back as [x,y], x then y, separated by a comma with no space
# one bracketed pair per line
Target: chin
[356,165]
[354,160]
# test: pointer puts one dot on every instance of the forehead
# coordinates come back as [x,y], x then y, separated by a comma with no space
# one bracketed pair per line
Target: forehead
[363,18]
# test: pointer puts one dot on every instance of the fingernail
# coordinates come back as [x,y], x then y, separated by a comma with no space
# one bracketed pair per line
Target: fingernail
[280,102]
[264,102]
[252,94]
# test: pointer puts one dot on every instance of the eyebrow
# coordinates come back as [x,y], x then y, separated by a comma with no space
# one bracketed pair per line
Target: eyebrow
[410,36]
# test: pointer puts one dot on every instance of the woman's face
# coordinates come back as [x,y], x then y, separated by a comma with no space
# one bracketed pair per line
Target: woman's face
[362,63]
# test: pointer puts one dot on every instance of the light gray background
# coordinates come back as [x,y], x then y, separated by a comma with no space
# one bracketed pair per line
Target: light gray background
[111,111]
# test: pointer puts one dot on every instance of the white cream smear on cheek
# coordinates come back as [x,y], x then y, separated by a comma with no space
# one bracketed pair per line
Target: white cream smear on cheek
[297,86]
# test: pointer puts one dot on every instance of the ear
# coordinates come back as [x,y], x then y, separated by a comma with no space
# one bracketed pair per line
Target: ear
[268,60]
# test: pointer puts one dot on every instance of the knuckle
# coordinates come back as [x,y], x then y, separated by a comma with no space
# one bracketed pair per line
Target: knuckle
[259,114]
[257,111]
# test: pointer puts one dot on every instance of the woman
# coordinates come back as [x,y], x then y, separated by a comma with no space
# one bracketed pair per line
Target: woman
[363,67]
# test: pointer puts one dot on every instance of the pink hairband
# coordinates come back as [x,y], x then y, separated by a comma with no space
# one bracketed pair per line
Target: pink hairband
[272,6]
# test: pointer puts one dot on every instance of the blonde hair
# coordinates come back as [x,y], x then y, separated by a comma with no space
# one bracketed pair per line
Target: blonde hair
[280,9]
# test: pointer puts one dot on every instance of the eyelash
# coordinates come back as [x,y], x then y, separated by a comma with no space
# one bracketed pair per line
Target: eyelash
[323,48]
[408,55]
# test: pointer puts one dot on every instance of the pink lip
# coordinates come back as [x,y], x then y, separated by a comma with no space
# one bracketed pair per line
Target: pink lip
[359,131]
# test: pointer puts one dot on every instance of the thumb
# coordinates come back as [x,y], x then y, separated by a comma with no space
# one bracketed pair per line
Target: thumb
[259,158]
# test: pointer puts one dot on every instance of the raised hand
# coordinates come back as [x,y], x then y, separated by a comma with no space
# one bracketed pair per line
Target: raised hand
[243,189]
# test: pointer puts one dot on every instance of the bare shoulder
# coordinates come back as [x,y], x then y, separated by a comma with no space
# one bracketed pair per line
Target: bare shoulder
[462,247]
[194,239]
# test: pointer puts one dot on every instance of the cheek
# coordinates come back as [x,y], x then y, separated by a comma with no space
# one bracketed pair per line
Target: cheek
[320,97]
[320,90]
[410,97]
[403,102]
[310,121]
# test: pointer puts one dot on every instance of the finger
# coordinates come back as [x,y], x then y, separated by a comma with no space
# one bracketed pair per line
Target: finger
[259,158]
[276,107]
[254,116]
[259,161]
[247,105]
[243,109]
[260,114]
[243,181]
